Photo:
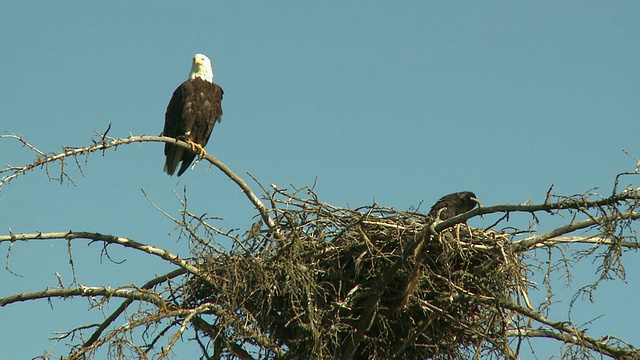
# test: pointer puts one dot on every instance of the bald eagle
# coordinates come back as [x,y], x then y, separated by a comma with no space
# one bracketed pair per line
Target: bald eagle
[454,204]
[194,109]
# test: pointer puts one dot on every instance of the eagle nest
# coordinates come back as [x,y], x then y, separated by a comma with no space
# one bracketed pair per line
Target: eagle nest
[373,282]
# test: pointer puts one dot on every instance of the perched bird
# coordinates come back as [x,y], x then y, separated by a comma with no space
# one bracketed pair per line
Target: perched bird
[454,204]
[194,109]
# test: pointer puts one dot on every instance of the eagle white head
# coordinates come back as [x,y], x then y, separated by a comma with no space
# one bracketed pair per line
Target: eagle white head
[201,67]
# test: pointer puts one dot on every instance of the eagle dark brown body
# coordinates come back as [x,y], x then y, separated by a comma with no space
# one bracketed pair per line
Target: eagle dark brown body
[454,204]
[194,109]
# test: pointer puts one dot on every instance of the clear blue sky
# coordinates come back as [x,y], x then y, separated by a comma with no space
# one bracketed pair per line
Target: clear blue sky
[394,102]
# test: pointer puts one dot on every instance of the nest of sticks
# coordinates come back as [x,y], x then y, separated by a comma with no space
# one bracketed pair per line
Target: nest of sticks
[372,282]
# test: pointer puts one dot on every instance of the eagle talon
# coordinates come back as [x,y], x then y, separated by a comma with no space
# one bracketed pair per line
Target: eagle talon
[197,148]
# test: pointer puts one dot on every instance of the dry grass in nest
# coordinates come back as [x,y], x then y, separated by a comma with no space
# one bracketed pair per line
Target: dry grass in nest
[366,283]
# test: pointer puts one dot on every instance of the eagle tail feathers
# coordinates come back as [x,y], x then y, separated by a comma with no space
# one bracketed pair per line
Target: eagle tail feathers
[174,156]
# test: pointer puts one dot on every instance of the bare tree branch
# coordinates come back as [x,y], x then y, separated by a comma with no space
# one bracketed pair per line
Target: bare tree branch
[110,239]
[592,240]
[103,144]
[598,345]
[84,291]
[582,203]
[545,239]
[111,318]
